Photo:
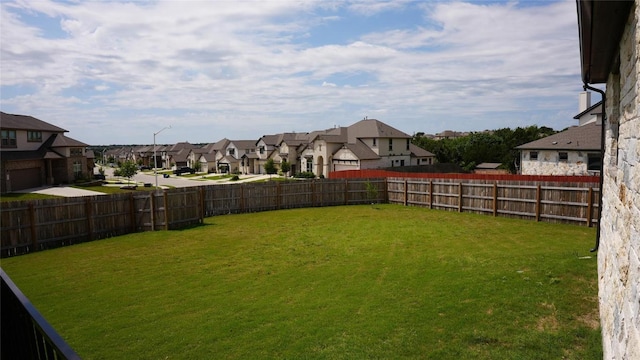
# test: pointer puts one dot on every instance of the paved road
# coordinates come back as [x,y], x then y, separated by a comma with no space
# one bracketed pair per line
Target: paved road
[184,181]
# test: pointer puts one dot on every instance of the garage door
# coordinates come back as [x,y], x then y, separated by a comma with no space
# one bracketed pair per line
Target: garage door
[25,179]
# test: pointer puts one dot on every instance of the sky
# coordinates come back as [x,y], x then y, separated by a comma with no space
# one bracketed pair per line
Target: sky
[118,72]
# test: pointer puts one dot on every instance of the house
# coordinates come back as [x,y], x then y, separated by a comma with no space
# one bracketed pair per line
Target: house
[575,151]
[609,34]
[176,155]
[237,157]
[36,153]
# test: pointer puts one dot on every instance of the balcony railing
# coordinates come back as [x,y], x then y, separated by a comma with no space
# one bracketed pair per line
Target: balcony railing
[25,333]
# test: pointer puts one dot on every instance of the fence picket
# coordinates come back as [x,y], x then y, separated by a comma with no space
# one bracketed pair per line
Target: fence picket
[56,222]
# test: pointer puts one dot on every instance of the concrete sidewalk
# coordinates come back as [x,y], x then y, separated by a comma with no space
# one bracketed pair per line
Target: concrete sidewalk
[64,191]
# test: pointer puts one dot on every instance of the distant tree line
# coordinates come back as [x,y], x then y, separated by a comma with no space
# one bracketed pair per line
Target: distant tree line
[498,146]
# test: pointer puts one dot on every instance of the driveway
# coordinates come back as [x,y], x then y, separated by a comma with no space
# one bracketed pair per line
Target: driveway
[64,191]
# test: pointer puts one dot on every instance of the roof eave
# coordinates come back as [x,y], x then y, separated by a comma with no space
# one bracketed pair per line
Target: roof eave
[600,22]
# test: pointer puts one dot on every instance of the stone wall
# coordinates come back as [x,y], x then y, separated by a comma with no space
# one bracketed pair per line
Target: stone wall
[548,163]
[619,252]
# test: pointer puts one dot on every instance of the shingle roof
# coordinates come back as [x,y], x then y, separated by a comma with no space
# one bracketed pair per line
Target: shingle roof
[372,128]
[24,122]
[590,109]
[63,141]
[361,151]
[419,152]
[585,137]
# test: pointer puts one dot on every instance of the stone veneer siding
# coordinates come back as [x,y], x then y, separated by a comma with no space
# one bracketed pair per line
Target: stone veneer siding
[619,252]
[549,163]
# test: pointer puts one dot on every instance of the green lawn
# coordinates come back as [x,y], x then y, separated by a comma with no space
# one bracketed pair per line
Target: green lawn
[352,282]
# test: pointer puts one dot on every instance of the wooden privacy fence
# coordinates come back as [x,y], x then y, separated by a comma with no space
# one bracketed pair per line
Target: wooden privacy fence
[28,226]
[543,201]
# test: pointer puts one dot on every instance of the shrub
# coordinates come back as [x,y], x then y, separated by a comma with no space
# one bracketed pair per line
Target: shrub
[306,175]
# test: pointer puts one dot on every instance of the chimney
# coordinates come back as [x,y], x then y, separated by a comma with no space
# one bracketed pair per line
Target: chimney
[584,101]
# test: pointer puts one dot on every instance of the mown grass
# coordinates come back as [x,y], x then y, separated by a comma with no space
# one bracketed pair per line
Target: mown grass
[353,282]
[25,196]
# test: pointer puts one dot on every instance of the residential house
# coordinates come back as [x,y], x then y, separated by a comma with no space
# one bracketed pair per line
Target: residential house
[290,148]
[609,34]
[36,153]
[177,155]
[575,151]
[237,157]
[203,158]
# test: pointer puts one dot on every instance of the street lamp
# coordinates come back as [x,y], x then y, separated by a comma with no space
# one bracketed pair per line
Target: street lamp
[155,161]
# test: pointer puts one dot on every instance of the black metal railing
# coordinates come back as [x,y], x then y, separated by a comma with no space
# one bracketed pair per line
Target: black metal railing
[25,333]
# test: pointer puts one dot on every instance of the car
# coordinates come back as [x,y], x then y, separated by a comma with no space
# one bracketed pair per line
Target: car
[183,170]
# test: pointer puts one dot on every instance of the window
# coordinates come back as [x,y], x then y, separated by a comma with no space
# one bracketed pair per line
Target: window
[594,163]
[375,142]
[310,165]
[76,151]
[232,151]
[34,136]
[390,144]
[77,169]
[563,156]
[533,155]
[408,143]
[261,150]
[9,138]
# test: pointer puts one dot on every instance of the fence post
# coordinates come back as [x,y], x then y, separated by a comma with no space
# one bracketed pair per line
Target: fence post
[538,201]
[132,212]
[278,202]
[386,191]
[32,221]
[165,203]
[590,207]
[152,207]
[430,194]
[89,213]
[406,192]
[460,196]
[346,191]
[202,202]
[241,198]
[313,193]
[495,198]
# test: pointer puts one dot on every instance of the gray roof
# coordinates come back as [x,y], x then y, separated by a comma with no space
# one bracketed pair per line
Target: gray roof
[244,144]
[417,151]
[24,122]
[372,128]
[585,137]
[361,151]
[591,110]
[63,141]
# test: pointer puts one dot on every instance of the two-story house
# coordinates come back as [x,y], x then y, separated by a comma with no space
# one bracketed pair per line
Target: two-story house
[36,153]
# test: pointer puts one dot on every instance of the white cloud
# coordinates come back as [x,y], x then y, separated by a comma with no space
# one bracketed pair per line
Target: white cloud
[244,66]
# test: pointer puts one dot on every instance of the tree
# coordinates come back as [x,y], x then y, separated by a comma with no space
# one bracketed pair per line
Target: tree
[128,169]
[270,167]
[285,166]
